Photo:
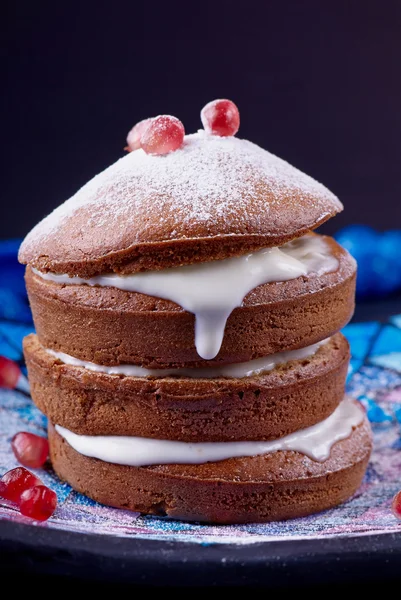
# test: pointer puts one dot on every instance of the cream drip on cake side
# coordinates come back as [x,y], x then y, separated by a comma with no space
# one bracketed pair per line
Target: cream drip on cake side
[212,290]
[315,442]
[250,368]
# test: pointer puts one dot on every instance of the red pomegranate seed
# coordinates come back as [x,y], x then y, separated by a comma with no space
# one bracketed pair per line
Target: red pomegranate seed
[220,117]
[396,505]
[134,136]
[9,373]
[163,135]
[30,450]
[15,482]
[38,503]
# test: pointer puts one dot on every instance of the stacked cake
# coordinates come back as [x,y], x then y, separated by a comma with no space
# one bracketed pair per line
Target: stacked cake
[187,352]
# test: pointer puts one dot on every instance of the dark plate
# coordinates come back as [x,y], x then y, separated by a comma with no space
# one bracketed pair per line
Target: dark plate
[25,548]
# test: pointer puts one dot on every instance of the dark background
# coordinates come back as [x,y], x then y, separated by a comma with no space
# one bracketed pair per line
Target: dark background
[317,82]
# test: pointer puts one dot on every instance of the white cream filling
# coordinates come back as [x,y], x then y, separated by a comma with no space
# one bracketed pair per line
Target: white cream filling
[237,370]
[316,442]
[212,290]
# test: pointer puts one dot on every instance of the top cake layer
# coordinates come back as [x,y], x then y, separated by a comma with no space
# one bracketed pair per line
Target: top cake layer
[215,197]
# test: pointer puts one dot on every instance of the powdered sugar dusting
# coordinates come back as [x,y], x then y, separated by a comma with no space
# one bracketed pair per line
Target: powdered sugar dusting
[210,180]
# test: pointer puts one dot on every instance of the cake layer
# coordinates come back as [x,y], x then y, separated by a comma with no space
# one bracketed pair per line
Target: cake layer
[279,485]
[315,441]
[213,289]
[106,325]
[215,197]
[265,405]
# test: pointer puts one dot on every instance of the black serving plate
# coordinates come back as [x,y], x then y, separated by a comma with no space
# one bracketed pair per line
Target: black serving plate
[34,551]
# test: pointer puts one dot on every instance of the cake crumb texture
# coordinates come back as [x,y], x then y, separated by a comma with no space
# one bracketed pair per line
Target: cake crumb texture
[277,486]
[292,396]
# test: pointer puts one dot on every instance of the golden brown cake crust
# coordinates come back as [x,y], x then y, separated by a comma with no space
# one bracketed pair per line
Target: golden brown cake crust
[275,486]
[214,198]
[110,326]
[290,397]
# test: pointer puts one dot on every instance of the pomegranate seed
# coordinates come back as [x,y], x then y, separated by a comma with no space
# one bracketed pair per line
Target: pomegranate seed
[134,136]
[9,373]
[396,505]
[220,117]
[38,502]
[163,135]
[30,450]
[15,482]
